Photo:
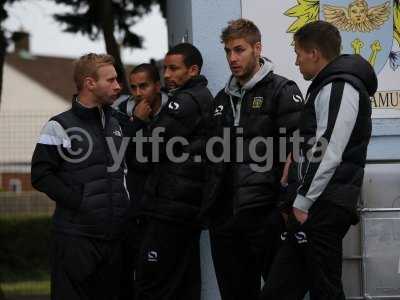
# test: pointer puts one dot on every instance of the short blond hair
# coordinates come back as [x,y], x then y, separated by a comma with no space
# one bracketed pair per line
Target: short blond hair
[87,66]
[241,28]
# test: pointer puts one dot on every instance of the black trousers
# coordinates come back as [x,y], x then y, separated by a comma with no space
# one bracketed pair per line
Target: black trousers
[130,255]
[243,249]
[169,262]
[310,258]
[84,268]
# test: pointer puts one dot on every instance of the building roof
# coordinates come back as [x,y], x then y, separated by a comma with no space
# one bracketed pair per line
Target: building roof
[53,73]
[35,88]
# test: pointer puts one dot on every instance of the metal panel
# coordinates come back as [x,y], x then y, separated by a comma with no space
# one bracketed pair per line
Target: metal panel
[352,263]
[381,187]
[382,254]
[371,249]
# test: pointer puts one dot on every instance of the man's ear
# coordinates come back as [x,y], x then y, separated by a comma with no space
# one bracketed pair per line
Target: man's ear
[89,83]
[257,48]
[316,54]
[194,70]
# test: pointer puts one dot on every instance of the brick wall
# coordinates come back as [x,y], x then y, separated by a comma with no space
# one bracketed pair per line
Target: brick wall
[25,179]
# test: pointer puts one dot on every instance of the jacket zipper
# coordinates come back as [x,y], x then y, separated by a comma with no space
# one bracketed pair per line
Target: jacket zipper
[236,123]
[109,181]
[237,111]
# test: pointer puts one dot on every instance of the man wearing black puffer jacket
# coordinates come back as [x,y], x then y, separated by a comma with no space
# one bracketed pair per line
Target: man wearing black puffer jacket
[259,109]
[326,176]
[169,260]
[136,114]
[73,163]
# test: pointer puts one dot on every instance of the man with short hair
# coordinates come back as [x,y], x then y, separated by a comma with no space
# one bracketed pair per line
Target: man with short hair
[137,113]
[256,103]
[169,260]
[335,128]
[73,164]
[142,108]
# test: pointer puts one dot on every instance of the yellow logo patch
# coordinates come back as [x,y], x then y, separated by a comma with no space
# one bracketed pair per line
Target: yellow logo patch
[257,102]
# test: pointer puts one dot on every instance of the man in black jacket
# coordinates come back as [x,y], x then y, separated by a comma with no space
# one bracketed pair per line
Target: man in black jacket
[256,104]
[327,174]
[73,163]
[134,114]
[169,262]
[137,113]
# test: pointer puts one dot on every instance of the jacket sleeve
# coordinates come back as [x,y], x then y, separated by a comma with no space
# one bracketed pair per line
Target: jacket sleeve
[288,111]
[290,105]
[45,165]
[336,110]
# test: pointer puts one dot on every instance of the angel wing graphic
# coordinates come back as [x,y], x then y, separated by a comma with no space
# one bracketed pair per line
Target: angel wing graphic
[357,17]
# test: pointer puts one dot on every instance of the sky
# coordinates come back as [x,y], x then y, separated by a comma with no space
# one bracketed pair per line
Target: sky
[47,37]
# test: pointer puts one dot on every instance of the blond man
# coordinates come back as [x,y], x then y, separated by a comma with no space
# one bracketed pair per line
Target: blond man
[74,165]
[256,104]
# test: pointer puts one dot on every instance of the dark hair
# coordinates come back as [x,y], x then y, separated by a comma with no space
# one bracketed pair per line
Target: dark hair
[149,69]
[191,55]
[241,28]
[320,35]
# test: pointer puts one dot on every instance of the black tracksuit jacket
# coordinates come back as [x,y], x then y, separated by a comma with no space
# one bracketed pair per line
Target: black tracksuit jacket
[270,109]
[336,128]
[175,190]
[71,164]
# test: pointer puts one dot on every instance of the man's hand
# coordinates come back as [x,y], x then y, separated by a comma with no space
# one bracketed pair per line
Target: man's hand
[285,174]
[285,217]
[300,215]
[142,110]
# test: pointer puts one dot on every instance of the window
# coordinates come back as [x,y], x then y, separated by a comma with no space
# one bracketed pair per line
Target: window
[15,185]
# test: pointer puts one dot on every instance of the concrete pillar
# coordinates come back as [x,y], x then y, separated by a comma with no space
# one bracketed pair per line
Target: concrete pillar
[200,22]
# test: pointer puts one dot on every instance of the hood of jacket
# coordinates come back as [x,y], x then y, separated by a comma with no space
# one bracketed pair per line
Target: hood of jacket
[233,88]
[349,64]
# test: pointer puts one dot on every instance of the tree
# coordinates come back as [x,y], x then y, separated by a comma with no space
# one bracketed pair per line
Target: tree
[3,46]
[110,18]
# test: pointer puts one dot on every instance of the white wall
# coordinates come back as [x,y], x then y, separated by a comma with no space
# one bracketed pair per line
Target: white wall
[24,109]
[20,93]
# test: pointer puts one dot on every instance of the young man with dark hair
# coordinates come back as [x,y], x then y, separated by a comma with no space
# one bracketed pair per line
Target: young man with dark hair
[145,83]
[72,165]
[256,103]
[327,177]
[169,260]
[137,113]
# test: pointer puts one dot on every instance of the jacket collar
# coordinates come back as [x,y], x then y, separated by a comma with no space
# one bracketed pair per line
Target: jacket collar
[89,113]
[198,80]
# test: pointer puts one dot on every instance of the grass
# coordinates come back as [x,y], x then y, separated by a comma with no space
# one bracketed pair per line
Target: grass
[24,254]
[31,287]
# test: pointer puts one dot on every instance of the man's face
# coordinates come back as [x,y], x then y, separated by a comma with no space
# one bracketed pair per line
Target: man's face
[176,73]
[305,59]
[106,88]
[143,87]
[242,57]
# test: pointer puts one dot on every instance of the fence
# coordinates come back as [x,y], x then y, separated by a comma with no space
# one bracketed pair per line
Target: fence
[24,213]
